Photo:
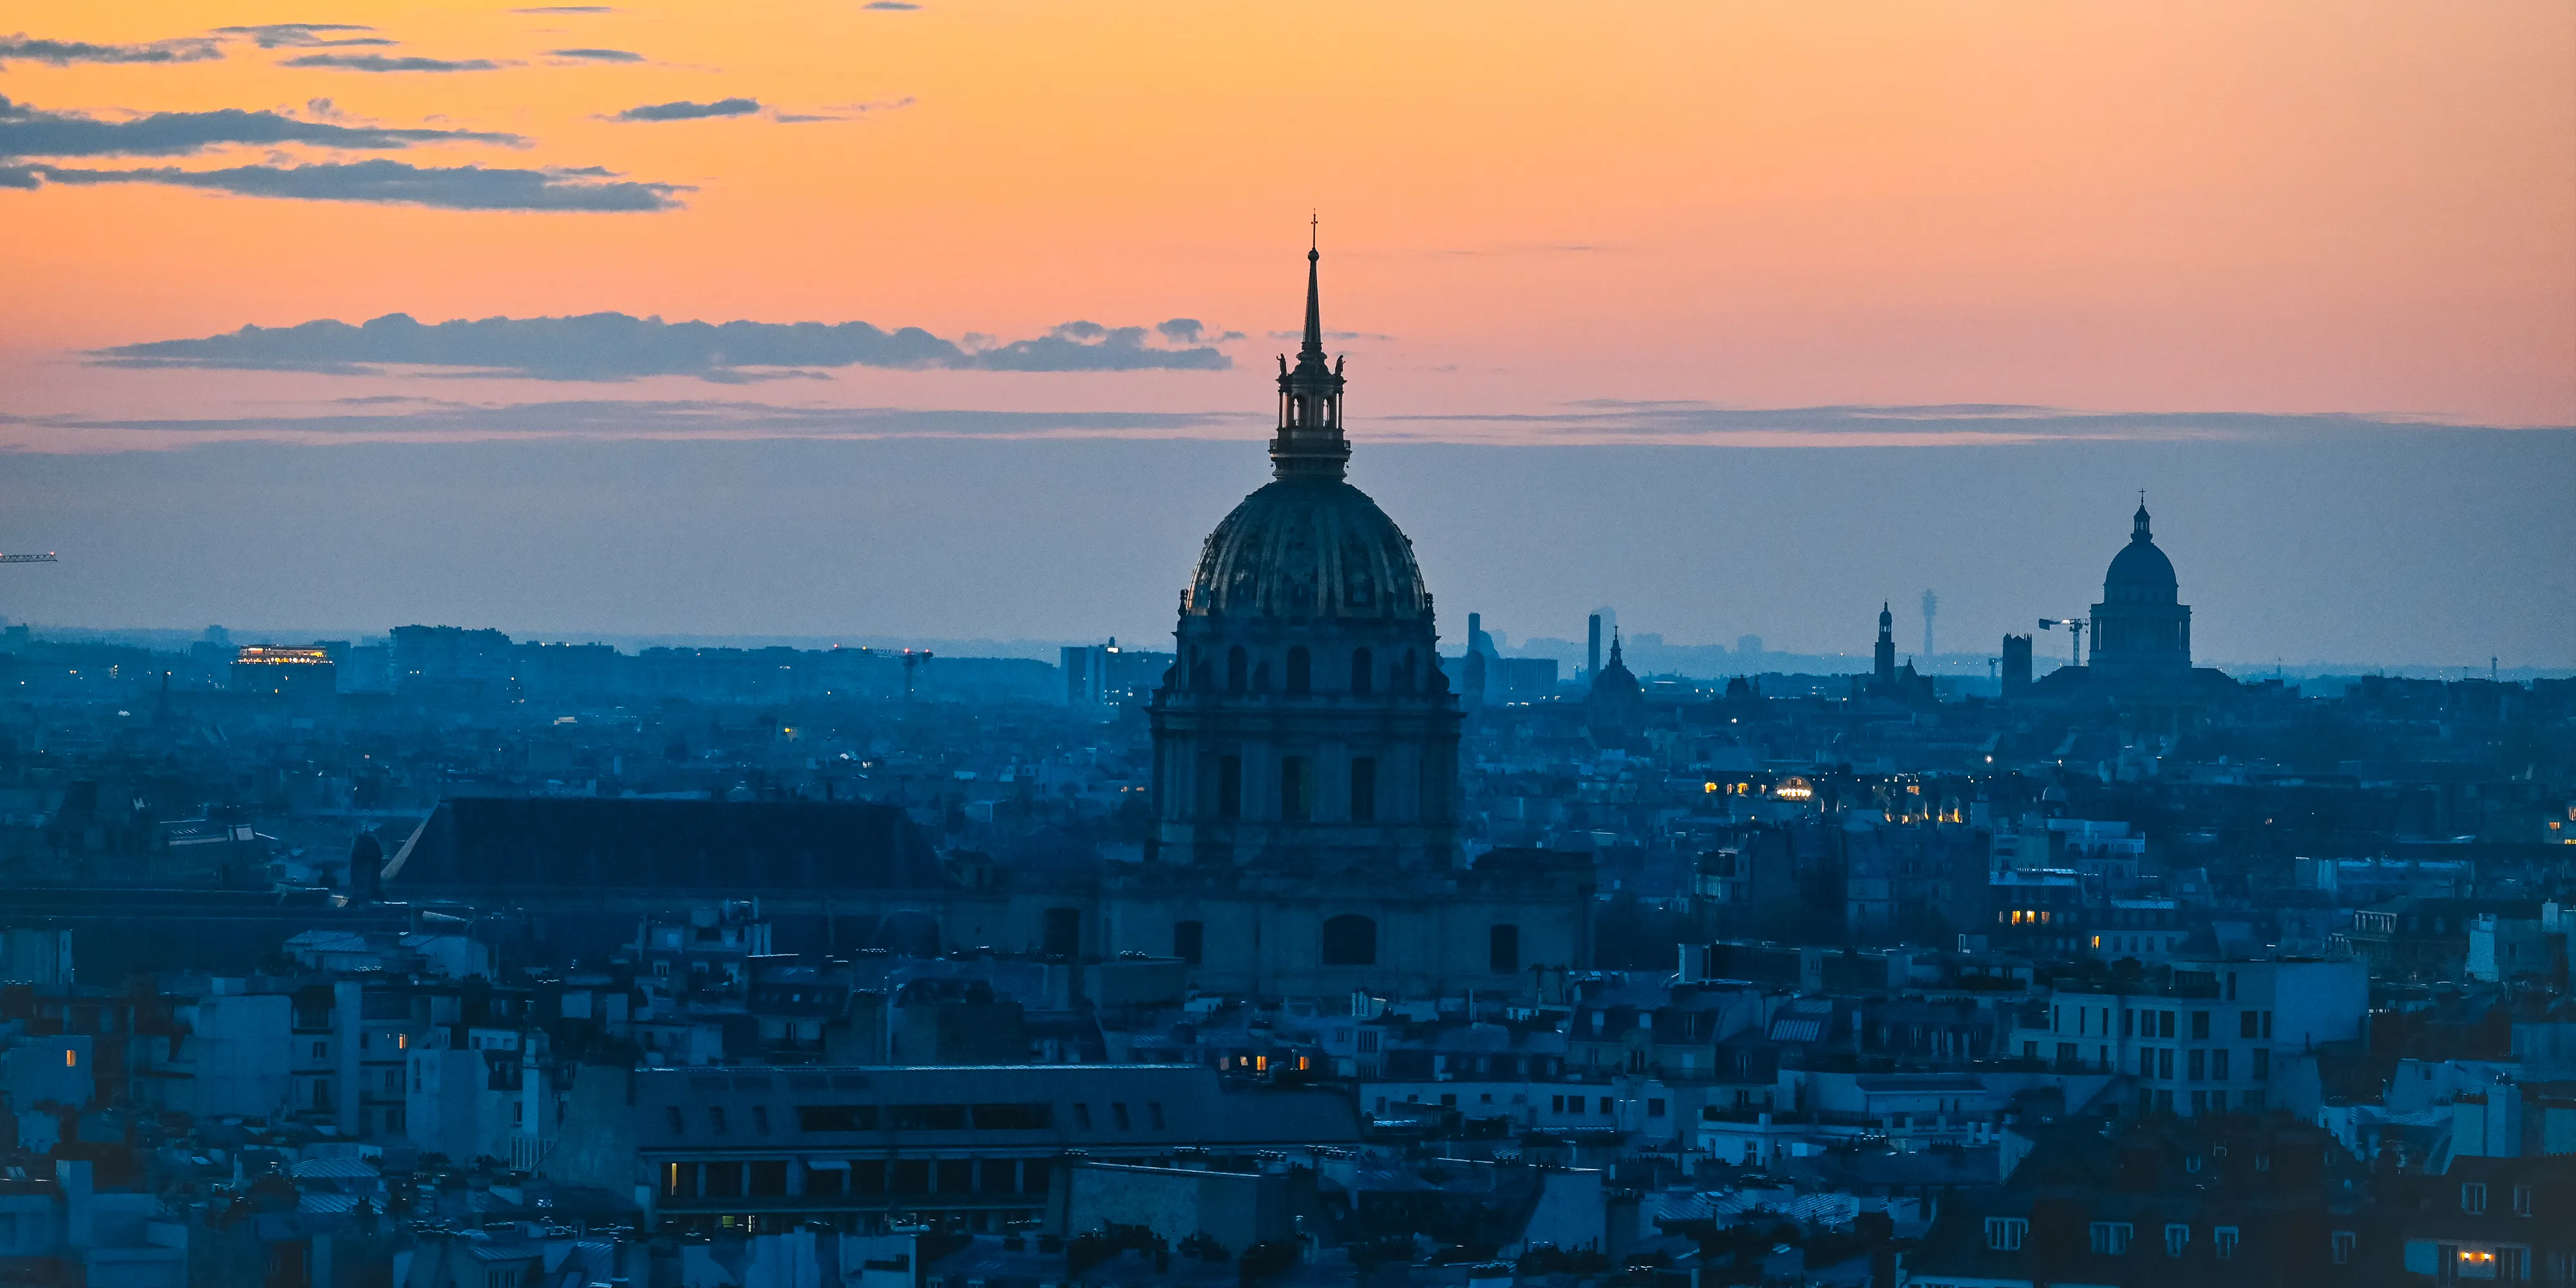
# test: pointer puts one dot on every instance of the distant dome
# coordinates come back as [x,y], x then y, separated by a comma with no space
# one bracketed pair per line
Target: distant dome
[2140,569]
[1308,547]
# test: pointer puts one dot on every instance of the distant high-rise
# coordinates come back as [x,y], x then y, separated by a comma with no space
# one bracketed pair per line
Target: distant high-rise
[1592,652]
[1931,604]
[2016,663]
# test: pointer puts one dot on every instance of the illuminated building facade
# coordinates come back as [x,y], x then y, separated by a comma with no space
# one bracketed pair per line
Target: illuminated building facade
[285,671]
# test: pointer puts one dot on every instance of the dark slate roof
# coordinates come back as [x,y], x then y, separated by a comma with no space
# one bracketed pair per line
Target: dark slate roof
[475,843]
[1078,1106]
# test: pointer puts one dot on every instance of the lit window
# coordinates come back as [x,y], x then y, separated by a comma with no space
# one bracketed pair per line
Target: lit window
[71,1058]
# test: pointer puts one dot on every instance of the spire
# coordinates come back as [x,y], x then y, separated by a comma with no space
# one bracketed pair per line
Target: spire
[2138,524]
[1314,345]
[1310,443]
[1614,646]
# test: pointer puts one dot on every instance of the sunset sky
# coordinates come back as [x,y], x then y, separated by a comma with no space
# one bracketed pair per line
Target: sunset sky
[1618,223]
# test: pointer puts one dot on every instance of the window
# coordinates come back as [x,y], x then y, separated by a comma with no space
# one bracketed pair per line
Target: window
[1238,670]
[1503,948]
[1189,941]
[2164,1063]
[2177,1238]
[760,1119]
[2262,1063]
[834,1117]
[2222,1242]
[1293,803]
[715,1118]
[2218,1065]
[2200,1025]
[1655,1109]
[2341,1244]
[1014,1117]
[2166,1023]
[1154,1114]
[1118,1115]
[1363,789]
[321,1050]
[2473,1198]
[2245,1024]
[1082,1115]
[1229,787]
[2111,1238]
[1606,1107]
[2522,1200]
[2199,1064]
[501,1279]
[1350,940]
[2004,1233]
[1301,672]
[1361,671]
[679,1126]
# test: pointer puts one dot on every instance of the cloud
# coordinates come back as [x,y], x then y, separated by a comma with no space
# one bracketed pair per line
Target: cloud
[62,53]
[897,6]
[471,187]
[303,35]
[614,346]
[598,55]
[1330,335]
[436,420]
[381,63]
[34,132]
[840,111]
[568,8]
[687,111]
[1192,331]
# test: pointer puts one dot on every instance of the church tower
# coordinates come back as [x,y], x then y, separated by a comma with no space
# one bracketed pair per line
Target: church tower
[1305,725]
[1883,655]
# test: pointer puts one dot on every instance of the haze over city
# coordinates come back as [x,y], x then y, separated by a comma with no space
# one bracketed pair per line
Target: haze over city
[1902,300]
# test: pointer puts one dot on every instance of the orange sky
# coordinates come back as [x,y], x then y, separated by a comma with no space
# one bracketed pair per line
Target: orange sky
[2284,207]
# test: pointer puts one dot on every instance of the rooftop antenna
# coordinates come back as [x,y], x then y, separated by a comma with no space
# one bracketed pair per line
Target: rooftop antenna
[1315,241]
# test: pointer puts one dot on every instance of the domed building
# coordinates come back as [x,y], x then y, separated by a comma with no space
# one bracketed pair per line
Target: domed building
[1306,723]
[1305,785]
[2141,629]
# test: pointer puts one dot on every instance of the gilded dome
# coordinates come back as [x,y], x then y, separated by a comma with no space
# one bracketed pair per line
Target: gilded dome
[1308,546]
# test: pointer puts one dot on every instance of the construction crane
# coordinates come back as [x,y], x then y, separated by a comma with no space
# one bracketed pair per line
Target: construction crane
[2074,626]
